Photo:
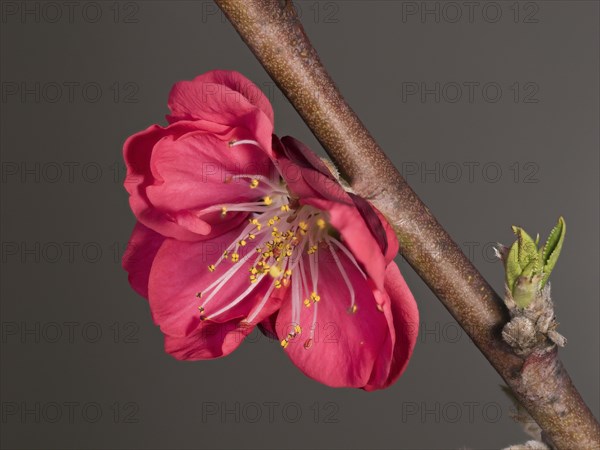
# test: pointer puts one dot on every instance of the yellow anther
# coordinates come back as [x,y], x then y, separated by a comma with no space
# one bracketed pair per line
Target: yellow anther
[312,249]
[303,227]
[268,200]
[254,183]
[307,303]
[277,284]
[253,279]
[285,208]
[276,218]
[353,309]
[223,211]
[253,271]
[251,236]
[274,271]
[242,242]
[288,273]
[315,297]
[201,309]
[235,257]
[231,143]
[284,343]
[321,223]
[211,268]
[297,329]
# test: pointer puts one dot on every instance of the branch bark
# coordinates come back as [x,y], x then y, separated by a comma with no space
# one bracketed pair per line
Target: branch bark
[273,32]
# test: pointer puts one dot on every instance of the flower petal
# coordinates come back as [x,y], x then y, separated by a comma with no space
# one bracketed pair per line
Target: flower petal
[406,323]
[196,170]
[173,173]
[392,241]
[301,155]
[372,220]
[224,97]
[355,235]
[180,271]
[139,256]
[212,340]
[137,152]
[345,346]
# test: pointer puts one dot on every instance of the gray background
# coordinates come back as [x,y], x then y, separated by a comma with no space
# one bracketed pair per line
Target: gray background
[62,189]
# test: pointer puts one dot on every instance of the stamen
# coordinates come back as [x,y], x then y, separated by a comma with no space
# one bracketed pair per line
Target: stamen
[276,188]
[233,143]
[343,248]
[238,299]
[220,282]
[260,306]
[344,276]
[314,274]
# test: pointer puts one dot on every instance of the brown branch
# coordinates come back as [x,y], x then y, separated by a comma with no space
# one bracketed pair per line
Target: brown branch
[273,32]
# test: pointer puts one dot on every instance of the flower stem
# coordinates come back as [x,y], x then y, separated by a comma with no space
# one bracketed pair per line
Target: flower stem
[272,30]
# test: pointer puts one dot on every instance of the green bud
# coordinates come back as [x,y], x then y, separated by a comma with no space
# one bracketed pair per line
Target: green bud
[527,266]
[551,250]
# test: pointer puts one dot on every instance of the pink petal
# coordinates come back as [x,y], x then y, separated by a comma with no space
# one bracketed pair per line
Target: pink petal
[212,340]
[139,256]
[346,346]
[393,245]
[196,170]
[217,339]
[171,170]
[406,324]
[180,271]
[227,98]
[355,235]
[301,155]
[137,152]
[361,226]
[304,181]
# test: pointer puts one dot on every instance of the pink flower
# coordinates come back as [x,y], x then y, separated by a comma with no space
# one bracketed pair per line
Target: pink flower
[237,230]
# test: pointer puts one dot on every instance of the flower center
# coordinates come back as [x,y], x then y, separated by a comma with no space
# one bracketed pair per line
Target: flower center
[288,238]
